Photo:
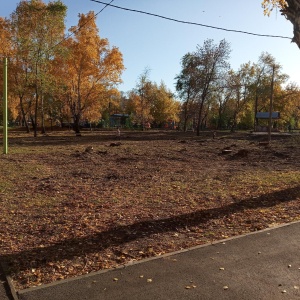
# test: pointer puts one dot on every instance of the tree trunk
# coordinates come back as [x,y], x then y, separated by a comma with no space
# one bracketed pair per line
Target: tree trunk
[292,13]
[76,126]
[204,120]
[24,114]
[200,117]
[220,115]
[185,116]
[26,125]
[34,121]
[255,113]
[43,129]
[34,125]
[234,122]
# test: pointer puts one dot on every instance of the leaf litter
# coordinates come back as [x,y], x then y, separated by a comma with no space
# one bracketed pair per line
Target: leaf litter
[68,212]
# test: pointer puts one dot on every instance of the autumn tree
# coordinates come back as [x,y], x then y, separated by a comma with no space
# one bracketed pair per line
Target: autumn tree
[221,96]
[37,29]
[164,107]
[139,100]
[8,49]
[263,72]
[143,99]
[90,71]
[206,66]
[5,50]
[150,103]
[138,109]
[290,106]
[186,89]
[240,82]
[290,9]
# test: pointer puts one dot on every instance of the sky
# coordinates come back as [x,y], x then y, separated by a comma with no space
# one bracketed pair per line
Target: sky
[158,44]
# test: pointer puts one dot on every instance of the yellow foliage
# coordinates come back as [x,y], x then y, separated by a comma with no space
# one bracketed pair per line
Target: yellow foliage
[152,103]
[90,72]
[269,5]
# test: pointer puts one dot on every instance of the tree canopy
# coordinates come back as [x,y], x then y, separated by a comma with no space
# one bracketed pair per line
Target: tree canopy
[54,76]
[150,103]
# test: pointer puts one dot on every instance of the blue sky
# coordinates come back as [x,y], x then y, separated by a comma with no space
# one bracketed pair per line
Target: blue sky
[157,44]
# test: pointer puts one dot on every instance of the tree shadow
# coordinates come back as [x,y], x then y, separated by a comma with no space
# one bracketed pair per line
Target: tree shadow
[68,249]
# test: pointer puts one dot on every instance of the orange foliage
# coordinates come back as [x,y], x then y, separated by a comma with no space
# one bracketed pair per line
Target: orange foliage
[90,71]
[5,36]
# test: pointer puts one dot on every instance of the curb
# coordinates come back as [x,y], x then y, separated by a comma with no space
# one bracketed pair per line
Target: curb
[8,284]
[120,267]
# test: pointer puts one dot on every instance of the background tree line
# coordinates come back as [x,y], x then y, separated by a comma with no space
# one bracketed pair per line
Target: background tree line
[57,78]
[215,96]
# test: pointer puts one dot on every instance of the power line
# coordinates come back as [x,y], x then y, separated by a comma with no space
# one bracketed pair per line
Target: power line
[192,23]
[80,27]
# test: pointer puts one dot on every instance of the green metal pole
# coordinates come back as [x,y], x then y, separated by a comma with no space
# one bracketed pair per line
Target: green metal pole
[5,139]
[271,106]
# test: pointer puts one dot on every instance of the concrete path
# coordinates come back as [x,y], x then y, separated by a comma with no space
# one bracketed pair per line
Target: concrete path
[263,265]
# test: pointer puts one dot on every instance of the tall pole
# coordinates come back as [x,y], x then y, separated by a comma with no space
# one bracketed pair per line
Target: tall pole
[271,105]
[5,140]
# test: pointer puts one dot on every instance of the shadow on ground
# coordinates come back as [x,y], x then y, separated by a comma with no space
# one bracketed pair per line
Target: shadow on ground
[119,235]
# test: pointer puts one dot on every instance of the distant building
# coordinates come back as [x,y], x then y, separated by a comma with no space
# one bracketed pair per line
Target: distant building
[118,120]
[264,117]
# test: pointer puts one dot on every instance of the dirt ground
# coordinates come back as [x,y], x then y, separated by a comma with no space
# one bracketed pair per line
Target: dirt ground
[72,205]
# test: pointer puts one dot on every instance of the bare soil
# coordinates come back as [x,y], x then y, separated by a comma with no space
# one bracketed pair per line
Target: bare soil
[71,205]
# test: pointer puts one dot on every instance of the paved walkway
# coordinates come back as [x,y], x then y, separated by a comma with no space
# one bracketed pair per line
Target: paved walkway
[263,265]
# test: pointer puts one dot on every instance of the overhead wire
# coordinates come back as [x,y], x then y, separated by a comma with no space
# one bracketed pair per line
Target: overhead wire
[80,27]
[192,23]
